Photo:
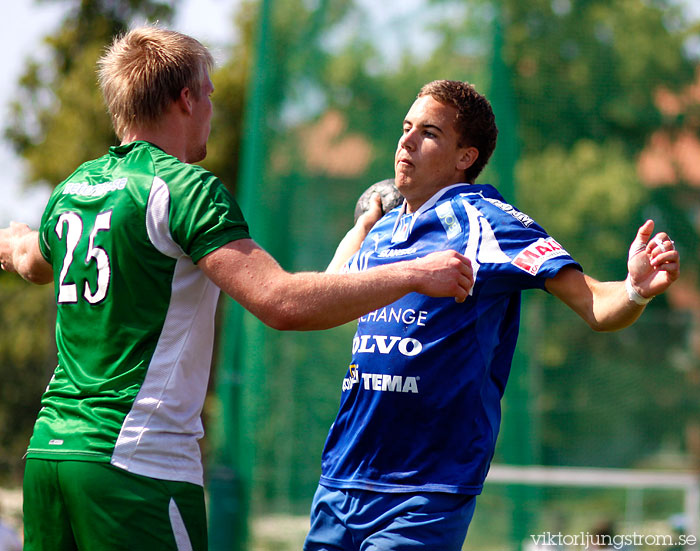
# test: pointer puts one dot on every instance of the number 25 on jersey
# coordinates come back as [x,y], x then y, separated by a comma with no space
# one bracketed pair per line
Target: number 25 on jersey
[70,228]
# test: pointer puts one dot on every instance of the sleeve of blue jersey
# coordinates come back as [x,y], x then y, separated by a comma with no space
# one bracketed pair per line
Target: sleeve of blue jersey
[534,255]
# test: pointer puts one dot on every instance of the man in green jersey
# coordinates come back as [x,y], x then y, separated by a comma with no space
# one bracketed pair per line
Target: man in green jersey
[138,244]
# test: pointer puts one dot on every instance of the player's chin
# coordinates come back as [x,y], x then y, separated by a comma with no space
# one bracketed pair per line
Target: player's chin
[400,174]
[402,182]
[198,154]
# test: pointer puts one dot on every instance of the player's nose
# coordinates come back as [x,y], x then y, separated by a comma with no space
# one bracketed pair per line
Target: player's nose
[407,140]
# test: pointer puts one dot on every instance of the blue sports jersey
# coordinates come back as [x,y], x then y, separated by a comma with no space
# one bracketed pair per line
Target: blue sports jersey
[420,406]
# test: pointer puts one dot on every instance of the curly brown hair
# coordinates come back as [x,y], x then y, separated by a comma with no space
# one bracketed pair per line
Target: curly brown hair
[475,123]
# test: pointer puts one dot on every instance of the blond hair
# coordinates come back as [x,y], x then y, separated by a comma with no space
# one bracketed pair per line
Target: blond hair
[144,70]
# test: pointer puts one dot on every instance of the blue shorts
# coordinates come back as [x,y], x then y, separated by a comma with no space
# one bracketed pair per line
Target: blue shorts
[360,520]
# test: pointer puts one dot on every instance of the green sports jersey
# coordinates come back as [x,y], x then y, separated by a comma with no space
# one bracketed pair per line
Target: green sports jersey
[135,316]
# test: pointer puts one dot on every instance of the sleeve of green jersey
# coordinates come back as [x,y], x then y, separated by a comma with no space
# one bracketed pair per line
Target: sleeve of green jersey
[204,216]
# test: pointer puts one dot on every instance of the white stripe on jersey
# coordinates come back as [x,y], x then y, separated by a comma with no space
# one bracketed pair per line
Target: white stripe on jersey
[482,245]
[159,435]
[157,220]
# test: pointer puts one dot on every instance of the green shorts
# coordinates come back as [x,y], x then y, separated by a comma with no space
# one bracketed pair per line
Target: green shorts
[82,505]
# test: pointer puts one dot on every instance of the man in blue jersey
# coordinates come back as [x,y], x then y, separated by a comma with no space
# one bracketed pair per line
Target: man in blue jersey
[420,406]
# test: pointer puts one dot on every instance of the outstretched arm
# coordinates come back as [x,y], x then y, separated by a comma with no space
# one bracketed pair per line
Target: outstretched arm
[19,252]
[653,265]
[309,300]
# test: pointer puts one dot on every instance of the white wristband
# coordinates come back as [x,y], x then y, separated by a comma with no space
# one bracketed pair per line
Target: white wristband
[633,295]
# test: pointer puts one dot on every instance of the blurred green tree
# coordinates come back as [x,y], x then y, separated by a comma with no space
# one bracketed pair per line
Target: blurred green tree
[60,120]
[27,358]
[587,75]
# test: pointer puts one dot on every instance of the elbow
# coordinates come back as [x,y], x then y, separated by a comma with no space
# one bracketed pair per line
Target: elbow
[37,279]
[291,316]
[281,317]
[39,275]
[609,326]
[279,322]
[598,327]
[287,321]
[596,324]
[275,312]
[282,309]
[599,322]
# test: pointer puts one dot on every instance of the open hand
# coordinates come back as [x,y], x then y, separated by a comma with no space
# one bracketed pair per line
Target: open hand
[653,263]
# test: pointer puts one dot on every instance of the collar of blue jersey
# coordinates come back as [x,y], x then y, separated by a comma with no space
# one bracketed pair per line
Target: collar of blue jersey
[423,208]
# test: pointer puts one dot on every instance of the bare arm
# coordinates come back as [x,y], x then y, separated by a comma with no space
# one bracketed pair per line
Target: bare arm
[19,252]
[309,300]
[605,306]
[653,266]
[350,244]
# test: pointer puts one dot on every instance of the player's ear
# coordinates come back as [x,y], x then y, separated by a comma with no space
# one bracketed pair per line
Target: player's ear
[184,100]
[467,157]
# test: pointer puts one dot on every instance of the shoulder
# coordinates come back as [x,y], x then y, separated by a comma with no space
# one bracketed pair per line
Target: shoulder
[171,168]
[186,182]
[489,202]
[485,209]
[147,160]
[75,183]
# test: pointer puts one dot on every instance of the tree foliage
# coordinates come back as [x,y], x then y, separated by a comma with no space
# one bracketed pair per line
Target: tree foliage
[230,85]
[27,358]
[586,75]
[60,120]
[594,65]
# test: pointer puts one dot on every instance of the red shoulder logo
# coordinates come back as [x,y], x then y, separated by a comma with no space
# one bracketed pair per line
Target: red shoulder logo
[531,258]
